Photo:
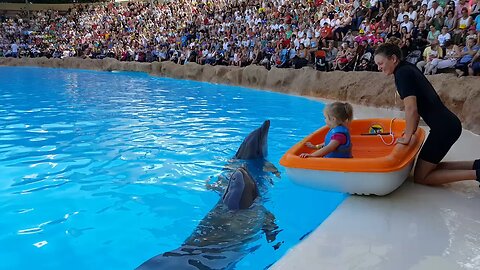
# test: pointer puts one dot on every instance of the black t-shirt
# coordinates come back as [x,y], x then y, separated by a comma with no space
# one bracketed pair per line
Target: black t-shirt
[396,34]
[411,82]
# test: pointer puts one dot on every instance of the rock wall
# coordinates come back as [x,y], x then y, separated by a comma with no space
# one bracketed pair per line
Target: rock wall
[461,95]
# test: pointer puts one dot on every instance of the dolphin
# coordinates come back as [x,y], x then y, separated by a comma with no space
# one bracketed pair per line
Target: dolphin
[239,218]
[255,146]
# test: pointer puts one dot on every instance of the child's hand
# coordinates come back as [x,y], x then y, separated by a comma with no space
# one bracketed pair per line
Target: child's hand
[305,155]
[313,146]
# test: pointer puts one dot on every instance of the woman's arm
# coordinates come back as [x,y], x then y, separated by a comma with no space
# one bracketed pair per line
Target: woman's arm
[412,118]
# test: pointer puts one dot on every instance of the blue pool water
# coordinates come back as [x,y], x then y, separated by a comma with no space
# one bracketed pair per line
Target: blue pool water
[102,170]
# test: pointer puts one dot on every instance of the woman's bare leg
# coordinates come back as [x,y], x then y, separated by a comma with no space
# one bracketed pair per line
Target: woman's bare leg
[456,165]
[432,174]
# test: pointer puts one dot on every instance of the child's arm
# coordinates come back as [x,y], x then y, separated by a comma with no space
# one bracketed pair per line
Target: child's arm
[323,151]
[313,146]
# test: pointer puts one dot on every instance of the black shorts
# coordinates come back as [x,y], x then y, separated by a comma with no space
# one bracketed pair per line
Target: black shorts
[439,141]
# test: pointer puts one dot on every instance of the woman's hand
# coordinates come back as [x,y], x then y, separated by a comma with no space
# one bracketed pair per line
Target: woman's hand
[305,155]
[404,140]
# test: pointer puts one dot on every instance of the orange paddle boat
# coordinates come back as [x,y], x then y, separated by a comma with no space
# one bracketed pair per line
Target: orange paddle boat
[379,166]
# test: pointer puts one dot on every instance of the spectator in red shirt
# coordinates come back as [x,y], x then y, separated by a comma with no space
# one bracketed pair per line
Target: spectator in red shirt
[326,33]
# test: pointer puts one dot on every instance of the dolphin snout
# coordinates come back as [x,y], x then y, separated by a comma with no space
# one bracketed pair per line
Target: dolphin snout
[266,125]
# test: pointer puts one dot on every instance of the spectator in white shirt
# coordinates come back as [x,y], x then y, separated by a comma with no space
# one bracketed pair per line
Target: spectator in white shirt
[401,12]
[434,10]
[412,14]
[324,19]
[406,23]
[444,36]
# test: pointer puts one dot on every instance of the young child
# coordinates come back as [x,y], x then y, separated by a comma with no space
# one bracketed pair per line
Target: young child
[337,141]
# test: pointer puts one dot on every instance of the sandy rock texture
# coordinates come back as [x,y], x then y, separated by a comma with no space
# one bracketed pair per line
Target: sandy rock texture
[461,95]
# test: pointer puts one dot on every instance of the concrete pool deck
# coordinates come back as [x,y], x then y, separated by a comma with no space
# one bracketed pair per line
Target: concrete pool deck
[415,227]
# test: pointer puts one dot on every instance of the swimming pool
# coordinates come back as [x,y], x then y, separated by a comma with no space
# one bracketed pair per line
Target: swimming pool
[103,170]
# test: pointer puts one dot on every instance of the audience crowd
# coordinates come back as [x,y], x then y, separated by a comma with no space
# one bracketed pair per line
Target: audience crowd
[328,35]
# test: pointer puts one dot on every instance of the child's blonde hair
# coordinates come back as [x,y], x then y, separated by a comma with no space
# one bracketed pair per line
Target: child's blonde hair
[343,112]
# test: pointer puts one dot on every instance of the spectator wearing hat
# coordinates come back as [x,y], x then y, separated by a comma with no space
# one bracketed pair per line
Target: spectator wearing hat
[463,23]
[365,26]
[361,36]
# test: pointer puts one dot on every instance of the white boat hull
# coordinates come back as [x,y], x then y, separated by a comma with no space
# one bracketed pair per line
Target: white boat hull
[361,183]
